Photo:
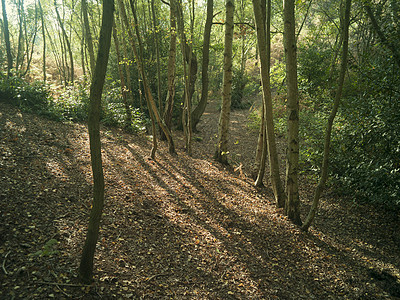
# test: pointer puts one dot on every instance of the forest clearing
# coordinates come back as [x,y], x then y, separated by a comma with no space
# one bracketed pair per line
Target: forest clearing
[176,227]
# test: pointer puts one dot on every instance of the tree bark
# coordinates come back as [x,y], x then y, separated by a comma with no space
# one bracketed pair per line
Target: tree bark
[387,43]
[292,206]
[269,143]
[155,29]
[171,69]
[7,39]
[149,96]
[186,50]
[325,162]
[201,106]
[71,59]
[128,113]
[44,41]
[96,88]
[88,35]
[221,153]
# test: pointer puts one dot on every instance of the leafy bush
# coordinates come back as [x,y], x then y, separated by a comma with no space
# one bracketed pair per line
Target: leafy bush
[33,97]
[242,88]
[73,103]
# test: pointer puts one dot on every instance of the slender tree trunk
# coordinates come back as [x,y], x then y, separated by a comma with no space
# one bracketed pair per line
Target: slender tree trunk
[96,88]
[128,117]
[269,147]
[221,153]
[260,143]
[126,61]
[189,55]
[88,35]
[7,39]
[292,206]
[156,38]
[325,162]
[171,69]
[68,44]
[200,108]
[44,41]
[29,52]
[139,59]
[149,96]
[20,48]
[186,50]
[385,41]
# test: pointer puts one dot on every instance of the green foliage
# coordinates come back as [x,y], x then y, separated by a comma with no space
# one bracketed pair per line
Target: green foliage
[367,160]
[242,88]
[73,103]
[313,69]
[33,97]
[49,249]
[114,111]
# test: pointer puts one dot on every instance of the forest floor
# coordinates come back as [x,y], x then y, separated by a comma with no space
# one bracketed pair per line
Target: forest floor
[176,227]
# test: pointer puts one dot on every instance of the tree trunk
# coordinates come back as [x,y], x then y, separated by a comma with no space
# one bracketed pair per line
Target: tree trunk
[71,59]
[269,145]
[44,41]
[201,106]
[325,162]
[7,39]
[149,96]
[128,116]
[171,69]
[221,153]
[155,29]
[385,41]
[292,206]
[96,88]
[88,35]
[20,49]
[126,61]
[186,61]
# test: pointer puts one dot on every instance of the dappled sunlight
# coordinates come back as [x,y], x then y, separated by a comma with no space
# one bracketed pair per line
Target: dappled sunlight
[181,226]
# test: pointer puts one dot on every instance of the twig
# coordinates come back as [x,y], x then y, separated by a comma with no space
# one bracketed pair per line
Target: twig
[4,263]
[157,275]
[68,295]
[63,284]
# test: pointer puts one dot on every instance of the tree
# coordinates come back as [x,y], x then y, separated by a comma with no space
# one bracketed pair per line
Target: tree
[67,41]
[149,97]
[269,144]
[382,36]
[221,153]
[128,117]
[201,106]
[88,35]
[44,41]
[96,88]
[7,39]
[292,206]
[325,162]
[167,116]
[187,58]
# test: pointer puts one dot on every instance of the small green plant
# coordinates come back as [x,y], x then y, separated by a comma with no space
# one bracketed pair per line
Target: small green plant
[49,249]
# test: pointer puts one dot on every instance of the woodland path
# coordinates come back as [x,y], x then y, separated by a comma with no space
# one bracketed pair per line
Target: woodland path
[176,227]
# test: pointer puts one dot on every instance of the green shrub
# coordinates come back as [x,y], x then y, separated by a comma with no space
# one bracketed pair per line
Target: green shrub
[73,103]
[33,97]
